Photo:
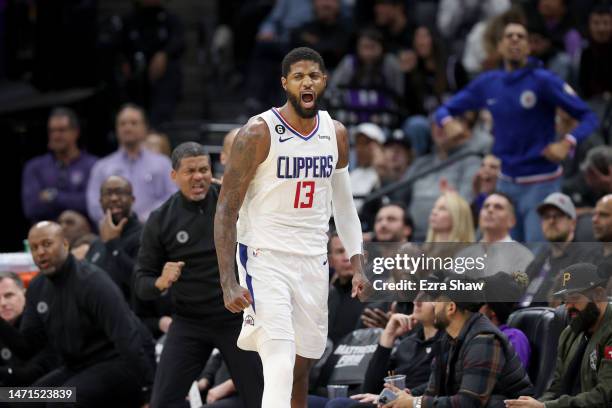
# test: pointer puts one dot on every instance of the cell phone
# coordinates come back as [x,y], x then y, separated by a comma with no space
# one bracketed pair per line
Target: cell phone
[386,396]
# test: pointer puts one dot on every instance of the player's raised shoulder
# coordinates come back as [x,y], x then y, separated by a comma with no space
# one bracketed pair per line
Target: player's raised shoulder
[252,140]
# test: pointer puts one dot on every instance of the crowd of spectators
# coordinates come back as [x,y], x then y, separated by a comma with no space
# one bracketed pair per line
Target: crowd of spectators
[472,122]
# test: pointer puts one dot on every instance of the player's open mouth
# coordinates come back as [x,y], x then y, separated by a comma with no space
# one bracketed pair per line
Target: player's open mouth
[116,210]
[308,99]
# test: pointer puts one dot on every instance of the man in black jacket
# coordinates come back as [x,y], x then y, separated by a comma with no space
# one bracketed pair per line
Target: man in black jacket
[14,370]
[116,249]
[178,255]
[74,307]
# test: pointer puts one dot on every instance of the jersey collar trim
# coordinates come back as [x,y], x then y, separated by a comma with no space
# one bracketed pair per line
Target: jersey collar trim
[292,130]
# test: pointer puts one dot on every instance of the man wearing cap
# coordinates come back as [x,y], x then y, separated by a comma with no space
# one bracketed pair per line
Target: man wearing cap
[480,368]
[368,142]
[583,376]
[558,221]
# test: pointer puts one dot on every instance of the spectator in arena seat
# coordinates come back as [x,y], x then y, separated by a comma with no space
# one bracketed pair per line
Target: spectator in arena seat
[370,69]
[596,59]
[456,19]
[558,220]
[522,99]
[57,181]
[430,77]
[271,44]
[369,139]
[502,293]
[397,151]
[583,374]
[107,355]
[480,368]
[159,143]
[74,225]
[327,33]
[152,43]
[391,18]
[393,224]
[450,220]
[14,370]
[116,249]
[484,182]
[553,16]
[344,310]
[457,175]
[602,224]
[554,59]
[148,172]
[496,220]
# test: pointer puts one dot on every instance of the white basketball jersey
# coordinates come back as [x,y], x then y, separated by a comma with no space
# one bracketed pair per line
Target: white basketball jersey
[288,203]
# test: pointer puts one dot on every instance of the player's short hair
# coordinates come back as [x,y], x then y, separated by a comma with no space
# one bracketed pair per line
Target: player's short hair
[187,149]
[301,54]
[14,277]
[62,111]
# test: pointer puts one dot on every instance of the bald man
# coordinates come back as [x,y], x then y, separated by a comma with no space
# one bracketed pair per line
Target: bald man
[75,307]
[228,141]
[116,249]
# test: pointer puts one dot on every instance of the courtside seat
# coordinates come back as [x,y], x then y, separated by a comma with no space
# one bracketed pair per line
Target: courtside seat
[542,326]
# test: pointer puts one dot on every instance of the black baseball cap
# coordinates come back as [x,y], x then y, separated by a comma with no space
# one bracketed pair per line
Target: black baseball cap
[581,277]
[471,300]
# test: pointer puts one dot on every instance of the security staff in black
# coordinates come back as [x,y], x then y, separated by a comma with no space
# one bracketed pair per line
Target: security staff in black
[177,253]
[74,307]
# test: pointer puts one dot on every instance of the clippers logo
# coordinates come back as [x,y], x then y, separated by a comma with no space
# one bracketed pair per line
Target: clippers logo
[528,99]
[182,237]
[42,307]
[608,353]
[6,354]
[280,129]
[249,321]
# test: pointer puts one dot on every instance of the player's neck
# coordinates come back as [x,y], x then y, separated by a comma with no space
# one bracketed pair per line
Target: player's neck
[302,125]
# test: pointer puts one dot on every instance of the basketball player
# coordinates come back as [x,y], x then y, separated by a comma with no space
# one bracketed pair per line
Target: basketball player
[286,167]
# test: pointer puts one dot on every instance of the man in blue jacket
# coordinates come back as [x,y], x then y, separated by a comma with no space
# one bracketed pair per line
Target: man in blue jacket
[523,97]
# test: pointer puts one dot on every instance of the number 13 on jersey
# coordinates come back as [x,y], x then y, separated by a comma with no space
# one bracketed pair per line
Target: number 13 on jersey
[304,194]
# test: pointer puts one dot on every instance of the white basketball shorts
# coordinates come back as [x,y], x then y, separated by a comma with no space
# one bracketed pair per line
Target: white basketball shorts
[289,299]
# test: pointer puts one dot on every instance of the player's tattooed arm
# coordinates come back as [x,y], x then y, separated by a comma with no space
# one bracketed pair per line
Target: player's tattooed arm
[250,148]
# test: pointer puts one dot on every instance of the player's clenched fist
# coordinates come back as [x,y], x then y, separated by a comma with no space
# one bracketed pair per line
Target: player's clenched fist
[170,274]
[236,299]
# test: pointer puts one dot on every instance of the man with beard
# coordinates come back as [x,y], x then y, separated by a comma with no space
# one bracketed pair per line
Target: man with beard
[116,249]
[177,255]
[558,220]
[479,367]
[583,376]
[286,167]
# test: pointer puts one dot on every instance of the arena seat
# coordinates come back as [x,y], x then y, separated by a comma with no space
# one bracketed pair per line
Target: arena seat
[542,326]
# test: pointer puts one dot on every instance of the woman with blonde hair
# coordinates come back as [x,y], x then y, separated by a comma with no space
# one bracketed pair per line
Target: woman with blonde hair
[451,220]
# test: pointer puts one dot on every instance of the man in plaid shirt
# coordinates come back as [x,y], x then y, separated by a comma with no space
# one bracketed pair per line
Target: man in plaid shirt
[478,367]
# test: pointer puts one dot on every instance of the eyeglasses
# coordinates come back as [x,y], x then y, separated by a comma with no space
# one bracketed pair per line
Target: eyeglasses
[121,192]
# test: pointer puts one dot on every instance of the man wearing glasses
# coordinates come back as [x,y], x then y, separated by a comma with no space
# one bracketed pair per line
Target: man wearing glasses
[116,249]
